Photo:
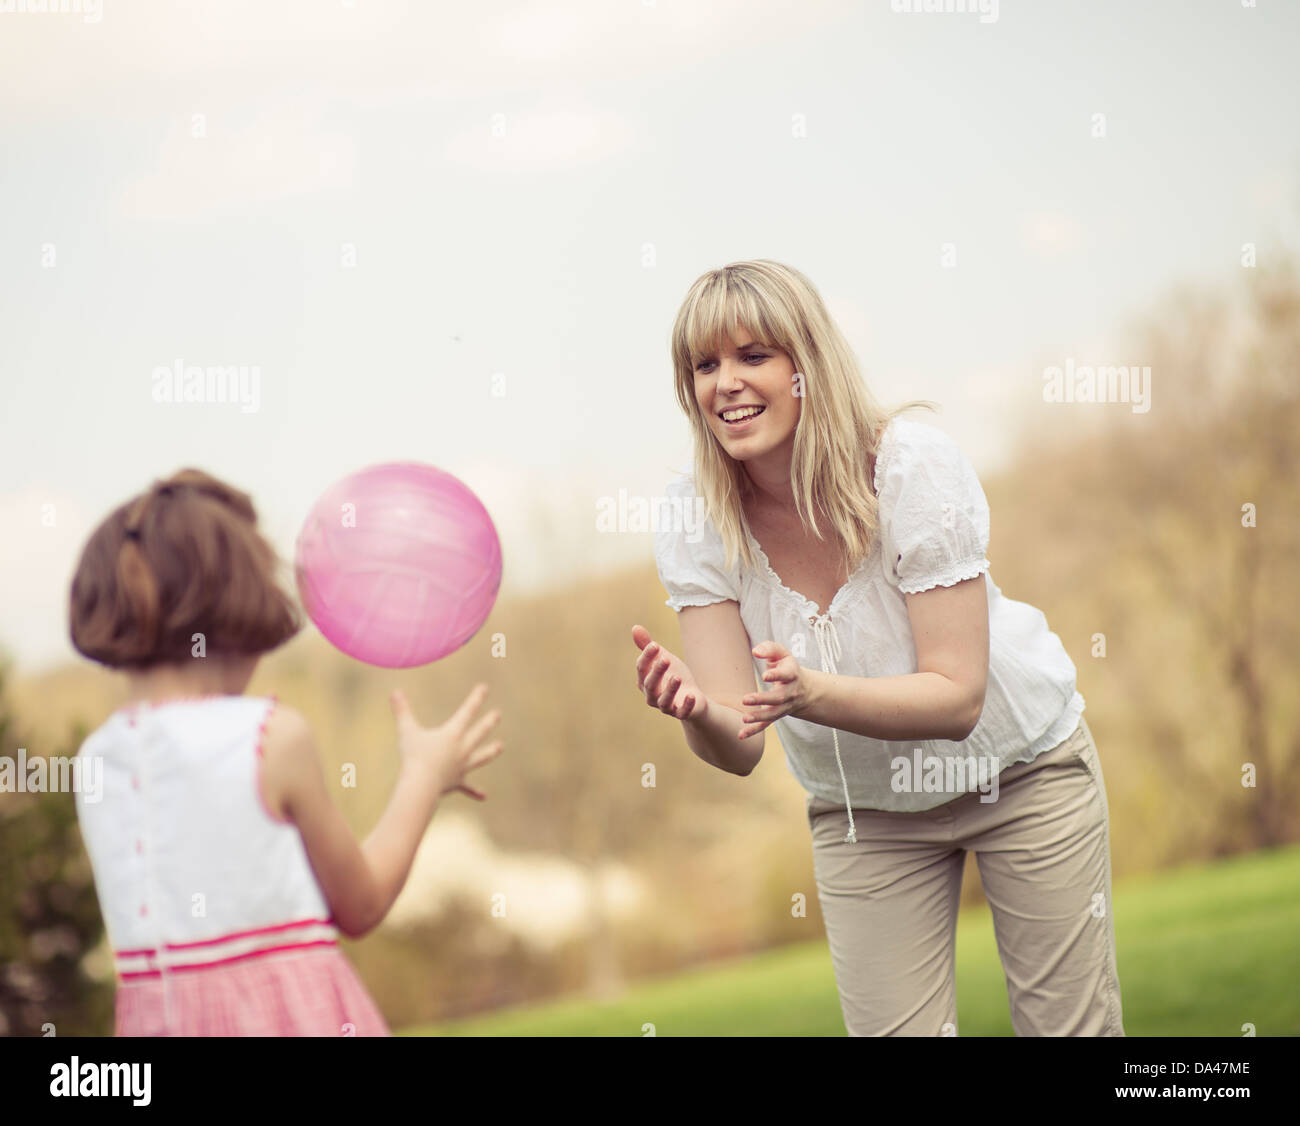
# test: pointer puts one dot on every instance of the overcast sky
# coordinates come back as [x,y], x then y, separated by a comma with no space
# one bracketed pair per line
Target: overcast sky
[395,212]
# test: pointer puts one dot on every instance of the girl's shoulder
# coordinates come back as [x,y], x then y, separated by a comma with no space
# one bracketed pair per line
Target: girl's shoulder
[286,730]
[287,754]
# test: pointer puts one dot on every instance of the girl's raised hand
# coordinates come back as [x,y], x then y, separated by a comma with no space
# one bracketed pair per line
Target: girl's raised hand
[665,681]
[451,751]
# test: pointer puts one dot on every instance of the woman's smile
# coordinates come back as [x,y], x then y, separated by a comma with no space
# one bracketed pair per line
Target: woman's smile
[741,419]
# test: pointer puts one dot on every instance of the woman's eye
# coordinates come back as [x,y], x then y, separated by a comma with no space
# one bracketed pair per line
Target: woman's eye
[748,356]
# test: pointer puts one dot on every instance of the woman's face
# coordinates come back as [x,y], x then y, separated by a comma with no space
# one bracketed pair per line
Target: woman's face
[748,397]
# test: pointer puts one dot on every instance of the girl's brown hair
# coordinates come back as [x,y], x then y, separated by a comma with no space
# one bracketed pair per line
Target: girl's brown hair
[183,558]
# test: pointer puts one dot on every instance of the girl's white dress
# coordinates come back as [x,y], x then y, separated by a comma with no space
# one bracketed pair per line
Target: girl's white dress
[217,923]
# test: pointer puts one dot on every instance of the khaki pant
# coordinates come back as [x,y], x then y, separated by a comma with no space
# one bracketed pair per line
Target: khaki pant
[889,901]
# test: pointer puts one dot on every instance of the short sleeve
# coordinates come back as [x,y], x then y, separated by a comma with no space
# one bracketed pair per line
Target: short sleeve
[689,551]
[934,517]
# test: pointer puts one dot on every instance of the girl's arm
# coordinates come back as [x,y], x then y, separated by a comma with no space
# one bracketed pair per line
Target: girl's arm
[361,882]
[943,699]
[704,690]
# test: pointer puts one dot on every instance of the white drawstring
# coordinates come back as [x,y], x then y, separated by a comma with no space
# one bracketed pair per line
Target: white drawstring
[828,647]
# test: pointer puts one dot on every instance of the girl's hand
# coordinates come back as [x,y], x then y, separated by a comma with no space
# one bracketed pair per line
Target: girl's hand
[449,752]
[789,694]
[665,681]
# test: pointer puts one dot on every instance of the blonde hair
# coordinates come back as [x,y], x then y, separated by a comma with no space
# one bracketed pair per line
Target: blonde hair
[840,421]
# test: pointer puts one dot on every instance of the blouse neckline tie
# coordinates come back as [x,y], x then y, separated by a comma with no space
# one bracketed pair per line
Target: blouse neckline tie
[828,648]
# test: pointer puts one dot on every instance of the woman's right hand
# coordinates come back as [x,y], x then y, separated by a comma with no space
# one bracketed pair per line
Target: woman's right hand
[449,752]
[665,681]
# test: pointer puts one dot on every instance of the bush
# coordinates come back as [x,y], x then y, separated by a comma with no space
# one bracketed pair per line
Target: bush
[49,913]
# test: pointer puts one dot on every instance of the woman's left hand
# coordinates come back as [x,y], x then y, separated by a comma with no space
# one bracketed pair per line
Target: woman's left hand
[789,692]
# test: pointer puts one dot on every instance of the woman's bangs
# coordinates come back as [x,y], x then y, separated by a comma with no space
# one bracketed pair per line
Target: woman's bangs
[721,312]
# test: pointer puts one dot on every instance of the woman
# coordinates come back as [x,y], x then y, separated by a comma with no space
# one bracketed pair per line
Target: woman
[925,714]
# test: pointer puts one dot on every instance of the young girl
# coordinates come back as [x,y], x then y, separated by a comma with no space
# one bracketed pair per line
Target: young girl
[224,871]
[925,714]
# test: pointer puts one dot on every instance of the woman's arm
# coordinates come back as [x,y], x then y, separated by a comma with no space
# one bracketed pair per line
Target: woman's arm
[704,689]
[361,882]
[943,699]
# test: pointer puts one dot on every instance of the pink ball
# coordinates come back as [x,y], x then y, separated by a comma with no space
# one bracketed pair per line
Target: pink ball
[398,564]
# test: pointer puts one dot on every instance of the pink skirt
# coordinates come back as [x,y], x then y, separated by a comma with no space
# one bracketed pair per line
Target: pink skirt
[313,992]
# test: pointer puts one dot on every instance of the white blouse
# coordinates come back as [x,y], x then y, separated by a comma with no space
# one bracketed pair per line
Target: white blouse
[934,531]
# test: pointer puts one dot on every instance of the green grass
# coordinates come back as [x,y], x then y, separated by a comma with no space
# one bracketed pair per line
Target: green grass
[1202,951]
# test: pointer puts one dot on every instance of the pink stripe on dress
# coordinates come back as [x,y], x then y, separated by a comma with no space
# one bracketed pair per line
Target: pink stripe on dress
[303,992]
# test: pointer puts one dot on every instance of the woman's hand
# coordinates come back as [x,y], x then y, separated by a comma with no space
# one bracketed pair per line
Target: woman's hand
[788,695]
[665,681]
